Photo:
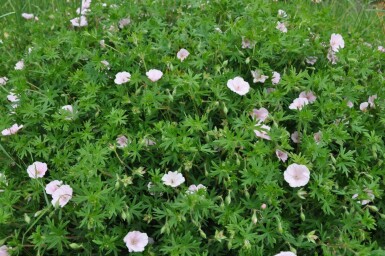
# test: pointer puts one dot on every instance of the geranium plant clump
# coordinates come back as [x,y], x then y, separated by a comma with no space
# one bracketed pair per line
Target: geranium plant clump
[190,128]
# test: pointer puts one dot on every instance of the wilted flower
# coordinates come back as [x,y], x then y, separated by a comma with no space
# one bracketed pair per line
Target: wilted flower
[154,75]
[69,109]
[369,194]
[136,241]
[12,130]
[299,103]
[275,78]
[364,106]
[4,250]
[263,132]
[173,179]
[28,16]
[37,170]
[336,42]
[287,253]
[182,54]
[122,77]
[282,13]
[332,57]
[281,155]
[270,90]
[317,137]
[308,95]
[194,188]
[105,63]
[51,187]
[102,43]
[122,141]
[297,175]
[238,85]
[62,195]
[311,60]
[19,65]
[371,100]
[281,27]
[258,77]
[295,137]
[79,22]
[246,43]
[124,22]
[3,80]
[149,142]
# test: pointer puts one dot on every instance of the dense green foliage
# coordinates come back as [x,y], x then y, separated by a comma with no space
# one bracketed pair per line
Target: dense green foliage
[201,129]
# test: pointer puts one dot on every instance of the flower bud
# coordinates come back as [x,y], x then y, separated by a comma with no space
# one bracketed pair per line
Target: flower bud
[263,206]
[254,218]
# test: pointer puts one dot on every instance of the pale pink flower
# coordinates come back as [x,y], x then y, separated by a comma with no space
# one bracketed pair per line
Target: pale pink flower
[3,80]
[86,4]
[369,195]
[136,241]
[62,195]
[262,133]
[51,187]
[154,75]
[295,137]
[19,65]
[12,130]
[122,77]
[79,22]
[287,253]
[336,42]
[381,48]
[246,43]
[371,100]
[182,54]
[12,97]
[364,106]
[173,179]
[194,188]
[260,114]
[238,85]
[311,60]
[332,57]
[275,78]
[350,104]
[258,77]
[317,137]
[37,170]
[263,206]
[106,64]
[4,250]
[299,103]
[282,13]
[308,95]
[82,11]
[281,27]
[124,22]
[282,156]
[297,175]
[122,141]
[28,16]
